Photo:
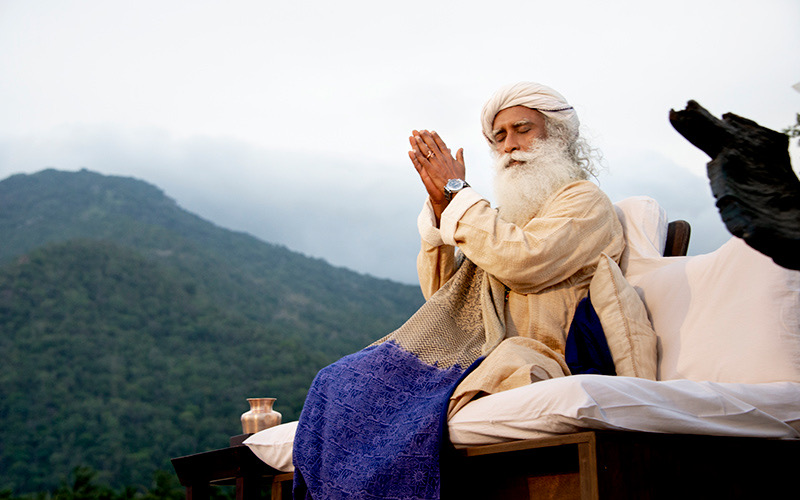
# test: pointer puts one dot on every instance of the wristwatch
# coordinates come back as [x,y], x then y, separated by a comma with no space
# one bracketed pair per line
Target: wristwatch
[453,186]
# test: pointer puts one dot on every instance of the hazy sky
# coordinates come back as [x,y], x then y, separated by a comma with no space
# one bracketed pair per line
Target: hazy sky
[290,120]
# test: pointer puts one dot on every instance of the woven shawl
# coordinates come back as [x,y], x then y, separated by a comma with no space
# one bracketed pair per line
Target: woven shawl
[373,423]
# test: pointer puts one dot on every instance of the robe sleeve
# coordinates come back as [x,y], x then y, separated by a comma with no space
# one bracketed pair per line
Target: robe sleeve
[435,261]
[573,227]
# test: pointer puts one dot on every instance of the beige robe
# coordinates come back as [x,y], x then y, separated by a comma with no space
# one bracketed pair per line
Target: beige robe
[544,268]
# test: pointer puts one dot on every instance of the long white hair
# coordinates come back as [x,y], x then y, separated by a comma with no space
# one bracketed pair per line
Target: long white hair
[578,150]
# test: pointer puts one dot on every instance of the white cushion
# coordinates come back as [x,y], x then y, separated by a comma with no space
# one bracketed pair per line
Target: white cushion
[644,225]
[274,446]
[728,316]
[579,402]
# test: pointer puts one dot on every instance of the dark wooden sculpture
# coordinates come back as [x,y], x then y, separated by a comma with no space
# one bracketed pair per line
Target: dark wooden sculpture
[751,176]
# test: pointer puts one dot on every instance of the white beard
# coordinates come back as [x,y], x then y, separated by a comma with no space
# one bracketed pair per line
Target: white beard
[521,189]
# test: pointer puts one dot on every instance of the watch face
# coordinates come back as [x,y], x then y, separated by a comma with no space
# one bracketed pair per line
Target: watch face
[454,184]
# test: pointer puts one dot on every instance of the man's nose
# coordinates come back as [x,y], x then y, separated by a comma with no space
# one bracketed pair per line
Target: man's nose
[510,144]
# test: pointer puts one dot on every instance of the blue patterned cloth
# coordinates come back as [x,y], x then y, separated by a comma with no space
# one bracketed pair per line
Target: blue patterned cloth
[372,427]
[374,423]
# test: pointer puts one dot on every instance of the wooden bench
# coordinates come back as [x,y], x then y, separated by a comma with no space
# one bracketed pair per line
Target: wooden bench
[590,465]
[615,464]
[235,465]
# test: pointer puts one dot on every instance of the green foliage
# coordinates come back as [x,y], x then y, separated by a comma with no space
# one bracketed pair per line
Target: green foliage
[132,331]
[82,484]
[793,130]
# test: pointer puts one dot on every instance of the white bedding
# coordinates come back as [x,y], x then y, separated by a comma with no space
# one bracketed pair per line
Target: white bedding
[579,402]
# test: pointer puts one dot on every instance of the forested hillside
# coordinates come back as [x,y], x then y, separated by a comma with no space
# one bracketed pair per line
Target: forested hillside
[132,331]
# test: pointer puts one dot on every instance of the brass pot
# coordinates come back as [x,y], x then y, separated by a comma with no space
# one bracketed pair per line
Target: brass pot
[260,416]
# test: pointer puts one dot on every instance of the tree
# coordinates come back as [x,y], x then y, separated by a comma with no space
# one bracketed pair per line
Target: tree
[793,130]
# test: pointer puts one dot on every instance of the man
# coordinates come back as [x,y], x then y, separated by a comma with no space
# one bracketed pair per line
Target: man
[372,425]
[543,243]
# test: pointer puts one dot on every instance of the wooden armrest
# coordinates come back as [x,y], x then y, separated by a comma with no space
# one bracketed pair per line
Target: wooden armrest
[678,233]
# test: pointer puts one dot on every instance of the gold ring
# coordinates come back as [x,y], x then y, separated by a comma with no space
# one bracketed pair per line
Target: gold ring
[430,153]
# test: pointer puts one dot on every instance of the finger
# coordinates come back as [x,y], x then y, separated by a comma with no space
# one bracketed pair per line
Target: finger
[460,156]
[439,143]
[418,166]
[421,169]
[426,152]
[423,156]
[430,144]
[419,147]
[422,144]
[414,141]
[431,187]
[413,156]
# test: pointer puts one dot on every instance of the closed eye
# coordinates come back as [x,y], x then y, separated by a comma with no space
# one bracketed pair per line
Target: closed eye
[523,126]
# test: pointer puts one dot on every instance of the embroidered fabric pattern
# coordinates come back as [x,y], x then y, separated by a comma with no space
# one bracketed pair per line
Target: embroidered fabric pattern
[373,423]
[372,427]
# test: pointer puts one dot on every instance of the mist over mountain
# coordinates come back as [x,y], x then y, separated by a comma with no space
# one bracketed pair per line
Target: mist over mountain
[132,331]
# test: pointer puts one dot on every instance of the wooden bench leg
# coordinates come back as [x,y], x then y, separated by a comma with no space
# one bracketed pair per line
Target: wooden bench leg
[198,492]
[587,469]
[248,488]
[282,486]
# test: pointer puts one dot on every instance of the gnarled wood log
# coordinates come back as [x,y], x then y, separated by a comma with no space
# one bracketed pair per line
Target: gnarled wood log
[751,176]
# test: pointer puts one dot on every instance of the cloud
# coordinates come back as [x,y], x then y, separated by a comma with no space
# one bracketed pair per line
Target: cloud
[289,121]
[682,193]
[360,215]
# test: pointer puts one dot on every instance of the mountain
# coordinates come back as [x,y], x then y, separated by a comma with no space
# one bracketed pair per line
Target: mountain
[132,331]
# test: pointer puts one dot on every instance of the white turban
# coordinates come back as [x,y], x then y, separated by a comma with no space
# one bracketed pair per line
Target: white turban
[531,95]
